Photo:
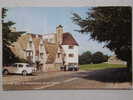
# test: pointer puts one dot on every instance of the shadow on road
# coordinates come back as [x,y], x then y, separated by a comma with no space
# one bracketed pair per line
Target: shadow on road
[110,75]
[14,74]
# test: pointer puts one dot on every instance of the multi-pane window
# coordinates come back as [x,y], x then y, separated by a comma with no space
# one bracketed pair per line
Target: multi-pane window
[41,46]
[71,46]
[28,66]
[41,55]
[59,55]
[29,53]
[71,55]
[30,44]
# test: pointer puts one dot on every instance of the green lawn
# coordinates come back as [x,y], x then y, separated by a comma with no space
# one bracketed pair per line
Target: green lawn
[100,66]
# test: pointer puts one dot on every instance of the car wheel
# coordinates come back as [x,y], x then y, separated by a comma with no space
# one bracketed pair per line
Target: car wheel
[24,73]
[5,72]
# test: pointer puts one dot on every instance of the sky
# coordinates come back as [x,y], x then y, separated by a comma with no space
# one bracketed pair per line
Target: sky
[44,20]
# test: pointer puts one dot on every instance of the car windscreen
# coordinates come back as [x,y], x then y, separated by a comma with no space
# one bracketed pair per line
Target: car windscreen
[29,66]
[14,65]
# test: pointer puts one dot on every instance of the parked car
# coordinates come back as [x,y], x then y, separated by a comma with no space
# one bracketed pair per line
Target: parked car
[69,68]
[19,68]
[73,68]
[62,68]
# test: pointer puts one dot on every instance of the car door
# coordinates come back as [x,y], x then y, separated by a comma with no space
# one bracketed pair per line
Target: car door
[29,68]
[13,68]
[20,68]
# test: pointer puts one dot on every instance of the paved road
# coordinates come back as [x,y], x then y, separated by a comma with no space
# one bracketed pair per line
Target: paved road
[70,80]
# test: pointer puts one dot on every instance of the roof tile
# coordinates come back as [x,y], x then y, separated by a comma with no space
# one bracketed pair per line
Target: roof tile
[68,39]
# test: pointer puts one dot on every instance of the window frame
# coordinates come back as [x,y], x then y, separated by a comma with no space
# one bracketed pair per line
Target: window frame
[30,44]
[71,47]
[71,55]
[41,55]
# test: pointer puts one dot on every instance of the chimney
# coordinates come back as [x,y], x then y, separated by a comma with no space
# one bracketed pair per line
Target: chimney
[59,31]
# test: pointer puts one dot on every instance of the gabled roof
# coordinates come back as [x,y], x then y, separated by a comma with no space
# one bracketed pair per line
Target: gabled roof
[23,40]
[67,39]
[20,45]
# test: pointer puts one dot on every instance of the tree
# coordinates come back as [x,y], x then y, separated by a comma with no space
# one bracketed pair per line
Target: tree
[85,58]
[112,25]
[99,57]
[8,38]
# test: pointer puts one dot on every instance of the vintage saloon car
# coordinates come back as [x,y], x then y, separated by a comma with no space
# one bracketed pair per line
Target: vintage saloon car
[19,68]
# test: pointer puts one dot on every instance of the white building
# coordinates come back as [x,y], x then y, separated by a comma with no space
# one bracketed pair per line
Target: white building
[115,60]
[70,48]
[67,43]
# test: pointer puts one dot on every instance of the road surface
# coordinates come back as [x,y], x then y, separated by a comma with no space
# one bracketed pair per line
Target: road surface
[103,79]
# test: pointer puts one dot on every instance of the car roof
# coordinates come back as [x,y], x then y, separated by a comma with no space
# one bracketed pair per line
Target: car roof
[22,63]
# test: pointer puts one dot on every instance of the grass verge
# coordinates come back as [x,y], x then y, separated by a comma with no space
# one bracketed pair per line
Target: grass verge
[100,66]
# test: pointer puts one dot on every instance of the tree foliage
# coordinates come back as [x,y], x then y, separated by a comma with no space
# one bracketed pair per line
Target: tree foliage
[99,57]
[8,38]
[85,58]
[112,25]
[88,58]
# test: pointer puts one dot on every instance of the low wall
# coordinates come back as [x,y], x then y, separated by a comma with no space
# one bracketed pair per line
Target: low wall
[51,67]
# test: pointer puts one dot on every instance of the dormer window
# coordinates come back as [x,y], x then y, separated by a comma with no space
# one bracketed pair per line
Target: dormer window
[41,55]
[59,55]
[41,46]
[30,44]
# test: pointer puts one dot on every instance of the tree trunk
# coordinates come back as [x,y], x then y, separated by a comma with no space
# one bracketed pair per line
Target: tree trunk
[129,66]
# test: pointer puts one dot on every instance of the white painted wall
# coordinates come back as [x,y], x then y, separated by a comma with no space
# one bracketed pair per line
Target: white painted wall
[31,48]
[58,60]
[42,50]
[71,51]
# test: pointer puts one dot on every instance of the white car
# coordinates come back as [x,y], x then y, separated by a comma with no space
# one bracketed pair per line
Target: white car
[19,68]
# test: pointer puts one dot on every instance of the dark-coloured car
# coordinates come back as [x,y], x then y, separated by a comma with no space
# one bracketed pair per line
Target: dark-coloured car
[73,68]
[62,68]
[69,68]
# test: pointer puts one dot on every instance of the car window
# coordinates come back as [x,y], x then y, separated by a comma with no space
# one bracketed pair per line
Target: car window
[20,65]
[14,65]
[28,66]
